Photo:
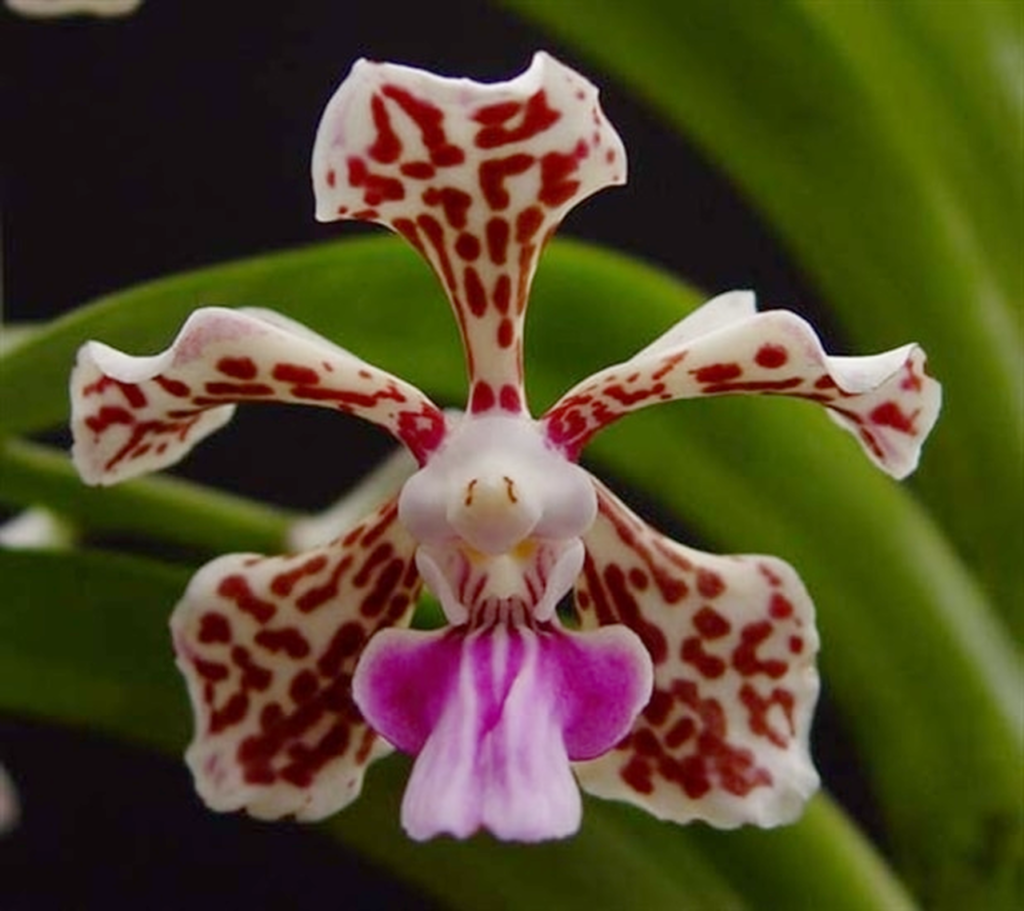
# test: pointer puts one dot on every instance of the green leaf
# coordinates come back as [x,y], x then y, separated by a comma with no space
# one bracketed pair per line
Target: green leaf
[884,142]
[161,508]
[912,652]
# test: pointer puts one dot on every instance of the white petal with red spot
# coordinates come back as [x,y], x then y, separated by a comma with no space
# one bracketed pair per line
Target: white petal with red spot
[268,646]
[886,400]
[724,737]
[476,176]
[132,415]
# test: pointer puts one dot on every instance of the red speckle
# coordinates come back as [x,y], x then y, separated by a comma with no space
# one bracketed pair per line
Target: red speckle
[345,644]
[418,170]
[502,293]
[236,588]
[718,373]
[422,431]
[468,247]
[680,732]
[657,708]
[493,114]
[637,774]
[796,644]
[692,652]
[240,390]
[774,579]
[172,387]
[239,368]
[233,712]
[629,613]
[289,640]
[453,201]
[627,397]
[387,146]
[378,188]
[213,627]
[527,223]
[755,386]
[555,186]
[509,399]
[303,687]
[645,742]
[757,712]
[537,117]
[283,583]
[210,670]
[332,178]
[497,232]
[318,595]
[493,173]
[771,356]
[295,373]
[389,578]
[889,414]
[709,583]
[638,579]
[711,624]
[107,416]
[911,382]
[744,657]
[482,398]
[506,333]
[780,607]
[476,296]
[253,676]
[428,117]
[132,393]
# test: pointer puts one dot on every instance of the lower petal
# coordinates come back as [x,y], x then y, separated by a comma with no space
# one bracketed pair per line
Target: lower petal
[267,646]
[724,737]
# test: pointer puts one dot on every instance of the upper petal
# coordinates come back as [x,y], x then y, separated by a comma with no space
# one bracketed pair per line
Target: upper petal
[724,737]
[886,400]
[131,415]
[476,176]
[268,646]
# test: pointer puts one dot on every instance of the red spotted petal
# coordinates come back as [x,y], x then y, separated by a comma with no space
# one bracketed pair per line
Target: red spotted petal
[886,400]
[268,646]
[132,415]
[476,177]
[724,736]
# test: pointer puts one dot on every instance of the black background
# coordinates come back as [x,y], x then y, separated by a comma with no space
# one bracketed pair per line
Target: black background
[181,137]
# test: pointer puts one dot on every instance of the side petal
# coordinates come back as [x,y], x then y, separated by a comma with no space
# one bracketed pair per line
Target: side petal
[132,415]
[476,177]
[268,646]
[724,737]
[887,401]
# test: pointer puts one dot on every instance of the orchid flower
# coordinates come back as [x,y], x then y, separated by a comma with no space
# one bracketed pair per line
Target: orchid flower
[689,684]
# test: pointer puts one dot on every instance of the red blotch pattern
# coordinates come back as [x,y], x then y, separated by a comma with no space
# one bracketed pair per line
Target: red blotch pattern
[124,429]
[268,646]
[732,696]
[479,212]
[771,353]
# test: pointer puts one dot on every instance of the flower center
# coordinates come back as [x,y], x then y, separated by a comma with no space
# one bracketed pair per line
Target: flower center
[498,515]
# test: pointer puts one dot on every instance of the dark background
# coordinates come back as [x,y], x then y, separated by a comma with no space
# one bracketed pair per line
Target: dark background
[181,137]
